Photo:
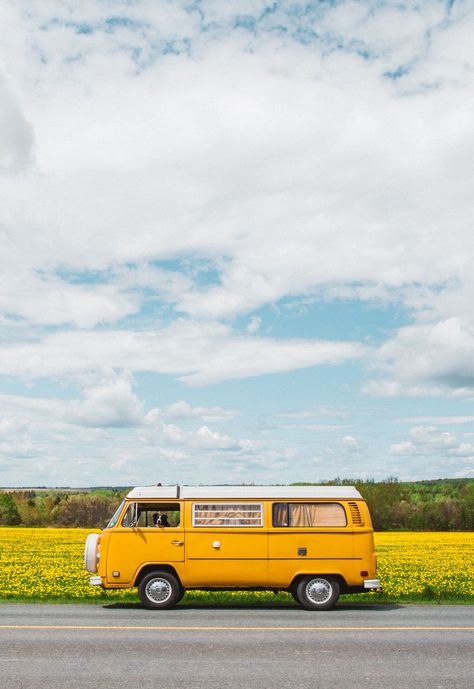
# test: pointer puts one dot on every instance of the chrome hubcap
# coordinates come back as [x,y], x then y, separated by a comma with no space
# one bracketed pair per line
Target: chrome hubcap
[319,590]
[158,590]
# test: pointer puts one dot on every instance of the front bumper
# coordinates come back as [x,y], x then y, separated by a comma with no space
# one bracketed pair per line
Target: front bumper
[372,584]
[95,581]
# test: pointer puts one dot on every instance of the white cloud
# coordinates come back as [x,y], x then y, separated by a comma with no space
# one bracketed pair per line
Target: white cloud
[16,135]
[350,443]
[254,324]
[51,301]
[9,426]
[436,420]
[429,441]
[104,401]
[206,439]
[198,353]
[402,449]
[183,410]
[316,413]
[318,427]
[109,401]
[435,359]
[110,404]
[158,433]
[15,439]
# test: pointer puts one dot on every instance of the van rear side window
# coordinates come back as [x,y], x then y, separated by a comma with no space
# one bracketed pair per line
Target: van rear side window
[302,514]
[227,514]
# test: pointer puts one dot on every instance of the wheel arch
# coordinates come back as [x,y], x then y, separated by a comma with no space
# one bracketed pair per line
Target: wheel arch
[333,575]
[157,567]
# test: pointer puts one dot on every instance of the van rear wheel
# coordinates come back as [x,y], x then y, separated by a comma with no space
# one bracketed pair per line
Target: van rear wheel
[318,592]
[292,591]
[159,590]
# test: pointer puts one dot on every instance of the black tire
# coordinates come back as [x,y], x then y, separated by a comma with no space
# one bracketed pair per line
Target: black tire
[159,590]
[294,594]
[318,592]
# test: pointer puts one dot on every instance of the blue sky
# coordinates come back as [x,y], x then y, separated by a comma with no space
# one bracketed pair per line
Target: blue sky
[235,241]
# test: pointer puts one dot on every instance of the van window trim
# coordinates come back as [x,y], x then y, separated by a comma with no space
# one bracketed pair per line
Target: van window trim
[156,505]
[234,503]
[321,527]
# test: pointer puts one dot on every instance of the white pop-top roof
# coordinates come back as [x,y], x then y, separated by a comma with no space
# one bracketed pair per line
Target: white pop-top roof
[241,492]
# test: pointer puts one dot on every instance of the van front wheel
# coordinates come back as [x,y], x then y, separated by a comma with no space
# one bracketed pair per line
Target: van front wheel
[159,590]
[317,592]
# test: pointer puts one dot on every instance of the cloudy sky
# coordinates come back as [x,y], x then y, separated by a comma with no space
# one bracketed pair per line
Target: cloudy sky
[236,241]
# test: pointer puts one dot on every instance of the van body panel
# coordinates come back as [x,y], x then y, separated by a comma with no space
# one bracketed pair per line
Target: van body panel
[290,544]
[232,546]
[306,552]
[230,573]
[364,549]
[227,559]
[287,571]
[129,549]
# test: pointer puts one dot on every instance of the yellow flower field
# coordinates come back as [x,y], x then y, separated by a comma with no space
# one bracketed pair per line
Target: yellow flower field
[431,565]
[46,564]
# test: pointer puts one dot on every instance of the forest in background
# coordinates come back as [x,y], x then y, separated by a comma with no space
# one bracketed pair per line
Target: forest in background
[438,505]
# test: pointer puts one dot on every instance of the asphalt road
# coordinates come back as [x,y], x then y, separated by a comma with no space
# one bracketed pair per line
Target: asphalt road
[118,646]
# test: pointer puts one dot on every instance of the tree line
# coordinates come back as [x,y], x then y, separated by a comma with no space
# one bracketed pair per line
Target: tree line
[56,508]
[439,505]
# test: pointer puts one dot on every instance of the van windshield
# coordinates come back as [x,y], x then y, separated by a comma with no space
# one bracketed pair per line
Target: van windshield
[117,514]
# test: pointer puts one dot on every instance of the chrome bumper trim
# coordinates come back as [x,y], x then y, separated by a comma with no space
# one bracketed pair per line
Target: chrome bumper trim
[95,581]
[371,583]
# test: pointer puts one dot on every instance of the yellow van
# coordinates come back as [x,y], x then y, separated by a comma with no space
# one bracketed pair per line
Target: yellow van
[313,541]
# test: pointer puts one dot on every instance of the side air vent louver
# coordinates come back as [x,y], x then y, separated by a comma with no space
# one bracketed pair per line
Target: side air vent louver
[355,514]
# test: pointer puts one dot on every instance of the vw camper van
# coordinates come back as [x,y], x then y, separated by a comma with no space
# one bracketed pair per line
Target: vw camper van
[312,541]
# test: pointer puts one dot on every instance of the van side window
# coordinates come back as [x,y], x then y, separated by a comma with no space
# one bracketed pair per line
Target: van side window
[308,514]
[153,514]
[227,514]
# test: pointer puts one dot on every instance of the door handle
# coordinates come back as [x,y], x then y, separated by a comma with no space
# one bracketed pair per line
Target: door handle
[177,542]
